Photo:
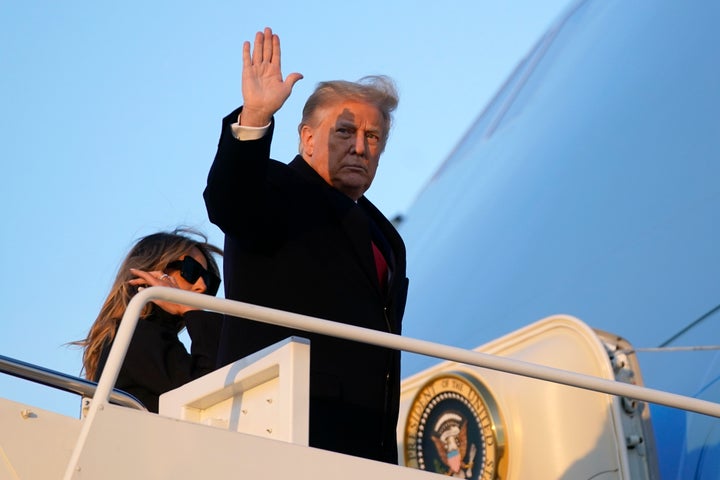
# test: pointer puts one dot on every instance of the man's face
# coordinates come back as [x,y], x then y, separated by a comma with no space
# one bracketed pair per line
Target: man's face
[344,144]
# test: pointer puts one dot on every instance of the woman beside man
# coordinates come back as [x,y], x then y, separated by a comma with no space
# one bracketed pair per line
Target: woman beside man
[156,360]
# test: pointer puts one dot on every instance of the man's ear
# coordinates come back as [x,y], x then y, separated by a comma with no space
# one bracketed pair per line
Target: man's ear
[307,139]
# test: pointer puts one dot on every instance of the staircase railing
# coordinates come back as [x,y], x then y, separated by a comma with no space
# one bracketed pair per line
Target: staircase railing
[359,334]
[63,381]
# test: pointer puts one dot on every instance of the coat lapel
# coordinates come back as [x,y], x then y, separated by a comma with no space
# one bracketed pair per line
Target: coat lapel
[352,219]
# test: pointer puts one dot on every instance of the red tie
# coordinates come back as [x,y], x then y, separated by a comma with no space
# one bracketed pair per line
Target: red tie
[380,265]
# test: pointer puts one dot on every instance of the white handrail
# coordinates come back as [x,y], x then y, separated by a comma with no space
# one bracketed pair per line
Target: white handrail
[63,381]
[349,332]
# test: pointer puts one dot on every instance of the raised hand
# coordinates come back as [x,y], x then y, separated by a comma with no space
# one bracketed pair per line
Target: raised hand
[263,88]
[159,279]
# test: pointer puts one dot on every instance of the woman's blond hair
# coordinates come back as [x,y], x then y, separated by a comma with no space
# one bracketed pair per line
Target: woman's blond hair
[151,253]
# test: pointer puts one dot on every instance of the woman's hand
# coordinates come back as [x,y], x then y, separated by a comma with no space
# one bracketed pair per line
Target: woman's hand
[159,279]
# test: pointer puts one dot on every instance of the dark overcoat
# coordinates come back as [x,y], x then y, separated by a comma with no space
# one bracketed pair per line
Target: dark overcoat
[295,243]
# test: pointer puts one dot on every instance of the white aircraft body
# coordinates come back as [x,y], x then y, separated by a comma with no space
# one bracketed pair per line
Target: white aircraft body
[562,321]
[589,186]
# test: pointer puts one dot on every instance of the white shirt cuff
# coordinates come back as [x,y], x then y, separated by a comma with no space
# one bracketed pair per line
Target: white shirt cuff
[244,133]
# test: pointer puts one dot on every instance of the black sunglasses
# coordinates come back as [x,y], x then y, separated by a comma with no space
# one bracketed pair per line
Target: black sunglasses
[190,269]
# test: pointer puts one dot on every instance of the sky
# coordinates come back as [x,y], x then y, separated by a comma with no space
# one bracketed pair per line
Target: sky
[111,114]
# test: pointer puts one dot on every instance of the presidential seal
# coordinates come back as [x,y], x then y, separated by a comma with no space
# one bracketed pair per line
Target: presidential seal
[454,428]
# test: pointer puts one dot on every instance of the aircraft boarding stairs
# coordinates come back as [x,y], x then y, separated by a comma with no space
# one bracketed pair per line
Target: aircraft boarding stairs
[465,417]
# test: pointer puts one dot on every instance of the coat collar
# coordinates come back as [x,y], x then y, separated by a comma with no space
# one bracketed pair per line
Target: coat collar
[354,217]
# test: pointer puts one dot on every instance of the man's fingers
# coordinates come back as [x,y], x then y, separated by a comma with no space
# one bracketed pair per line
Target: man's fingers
[246,61]
[262,50]
[258,49]
[267,46]
[293,78]
[275,49]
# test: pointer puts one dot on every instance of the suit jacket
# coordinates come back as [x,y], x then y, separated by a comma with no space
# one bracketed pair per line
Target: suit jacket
[295,243]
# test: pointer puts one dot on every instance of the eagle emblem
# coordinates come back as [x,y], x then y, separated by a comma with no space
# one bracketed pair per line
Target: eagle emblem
[454,427]
[451,439]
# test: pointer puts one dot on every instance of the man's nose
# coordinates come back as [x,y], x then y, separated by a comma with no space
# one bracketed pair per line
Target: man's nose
[360,143]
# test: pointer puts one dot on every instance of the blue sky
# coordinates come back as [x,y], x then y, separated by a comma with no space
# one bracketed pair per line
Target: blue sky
[111,115]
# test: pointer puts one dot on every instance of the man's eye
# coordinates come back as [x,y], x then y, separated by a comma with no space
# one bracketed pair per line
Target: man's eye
[372,138]
[343,131]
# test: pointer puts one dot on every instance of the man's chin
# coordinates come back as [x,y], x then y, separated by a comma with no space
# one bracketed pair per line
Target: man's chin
[354,186]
